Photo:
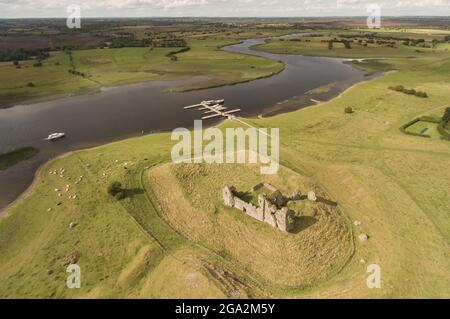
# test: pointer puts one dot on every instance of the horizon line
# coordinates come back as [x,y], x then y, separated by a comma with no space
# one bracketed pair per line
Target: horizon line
[230,17]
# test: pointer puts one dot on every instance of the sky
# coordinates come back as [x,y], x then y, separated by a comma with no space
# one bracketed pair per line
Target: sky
[220,8]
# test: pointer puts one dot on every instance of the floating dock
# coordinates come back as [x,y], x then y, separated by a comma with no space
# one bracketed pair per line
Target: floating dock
[214,107]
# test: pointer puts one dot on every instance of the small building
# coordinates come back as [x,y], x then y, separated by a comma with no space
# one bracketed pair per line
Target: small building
[271,209]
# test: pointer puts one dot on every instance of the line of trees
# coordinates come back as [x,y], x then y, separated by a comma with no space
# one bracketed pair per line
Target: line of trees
[22,54]
[131,41]
[75,72]
[401,88]
[172,54]
[168,43]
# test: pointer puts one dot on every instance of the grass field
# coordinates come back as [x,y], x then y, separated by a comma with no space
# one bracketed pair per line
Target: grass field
[424,128]
[112,67]
[318,46]
[147,245]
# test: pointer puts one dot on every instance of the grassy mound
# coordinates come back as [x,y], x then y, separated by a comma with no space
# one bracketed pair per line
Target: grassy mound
[190,197]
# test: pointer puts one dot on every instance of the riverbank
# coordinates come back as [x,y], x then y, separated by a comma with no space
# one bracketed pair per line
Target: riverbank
[325,94]
[316,96]
[114,67]
[91,120]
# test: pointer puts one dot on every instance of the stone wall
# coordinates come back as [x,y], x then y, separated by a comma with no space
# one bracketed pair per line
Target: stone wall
[283,219]
[248,208]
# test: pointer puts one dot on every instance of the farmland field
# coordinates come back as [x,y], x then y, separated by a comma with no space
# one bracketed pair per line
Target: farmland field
[171,236]
[360,45]
[101,68]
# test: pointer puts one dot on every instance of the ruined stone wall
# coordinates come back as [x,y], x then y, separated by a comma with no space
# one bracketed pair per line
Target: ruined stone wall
[266,212]
[257,214]
[248,208]
[269,211]
[285,218]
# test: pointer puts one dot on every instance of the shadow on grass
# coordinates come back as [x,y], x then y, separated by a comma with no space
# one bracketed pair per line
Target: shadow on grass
[302,223]
[326,201]
[321,200]
[245,196]
[130,193]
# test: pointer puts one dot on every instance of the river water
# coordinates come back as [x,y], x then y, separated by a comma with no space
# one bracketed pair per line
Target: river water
[123,112]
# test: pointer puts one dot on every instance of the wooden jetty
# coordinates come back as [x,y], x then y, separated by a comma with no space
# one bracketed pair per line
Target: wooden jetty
[215,108]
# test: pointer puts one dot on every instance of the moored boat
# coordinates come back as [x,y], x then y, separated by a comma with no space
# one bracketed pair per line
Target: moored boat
[55,136]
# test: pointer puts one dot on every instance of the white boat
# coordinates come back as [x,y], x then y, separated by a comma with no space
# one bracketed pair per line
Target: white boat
[55,136]
[213,102]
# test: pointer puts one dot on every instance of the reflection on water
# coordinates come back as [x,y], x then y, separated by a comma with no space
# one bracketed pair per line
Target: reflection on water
[123,112]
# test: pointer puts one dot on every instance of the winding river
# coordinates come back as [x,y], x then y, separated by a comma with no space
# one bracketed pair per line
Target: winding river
[126,111]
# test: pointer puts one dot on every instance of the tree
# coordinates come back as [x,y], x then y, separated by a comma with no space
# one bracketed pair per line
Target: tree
[120,195]
[446,117]
[349,110]
[330,45]
[398,88]
[347,44]
[114,189]
[422,94]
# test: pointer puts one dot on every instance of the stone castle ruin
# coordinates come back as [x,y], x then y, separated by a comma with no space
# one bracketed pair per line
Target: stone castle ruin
[271,209]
